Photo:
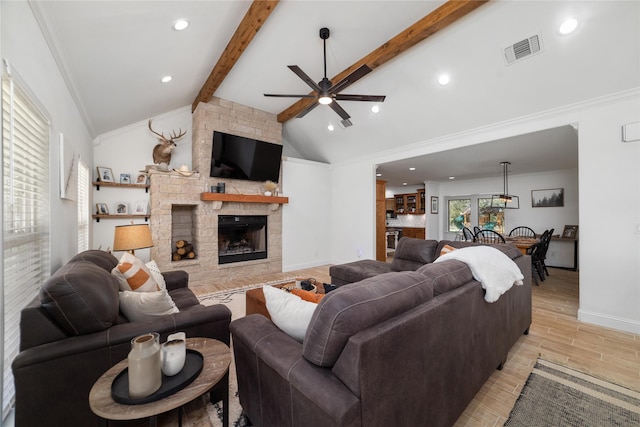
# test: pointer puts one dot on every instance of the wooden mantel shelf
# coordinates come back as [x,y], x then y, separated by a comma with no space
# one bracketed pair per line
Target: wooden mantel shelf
[273,201]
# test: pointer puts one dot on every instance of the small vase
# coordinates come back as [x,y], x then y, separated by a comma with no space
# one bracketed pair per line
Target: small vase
[145,374]
[174,354]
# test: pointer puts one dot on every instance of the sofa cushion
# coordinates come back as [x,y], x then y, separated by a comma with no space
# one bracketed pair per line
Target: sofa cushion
[357,306]
[509,250]
[412,254]
[146,305]
[358,270]
[82,297]
[102,259]
[446,276]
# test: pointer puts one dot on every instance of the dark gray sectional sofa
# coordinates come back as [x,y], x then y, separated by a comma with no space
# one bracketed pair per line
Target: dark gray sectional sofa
[405,348]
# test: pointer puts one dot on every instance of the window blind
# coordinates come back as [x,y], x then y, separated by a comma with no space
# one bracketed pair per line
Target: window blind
[83,207]
[25,221]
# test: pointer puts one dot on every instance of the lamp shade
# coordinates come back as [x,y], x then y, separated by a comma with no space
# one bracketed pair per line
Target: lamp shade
[131,237]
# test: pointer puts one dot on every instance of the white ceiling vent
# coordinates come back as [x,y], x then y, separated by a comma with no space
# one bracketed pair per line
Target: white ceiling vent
[523,49]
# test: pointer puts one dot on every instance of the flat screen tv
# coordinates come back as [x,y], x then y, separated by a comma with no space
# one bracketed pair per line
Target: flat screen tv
[238,157]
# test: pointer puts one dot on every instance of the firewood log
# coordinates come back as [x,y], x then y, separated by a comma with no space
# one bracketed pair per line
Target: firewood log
[176,256]
[185,250]
[191,255]
[181,243]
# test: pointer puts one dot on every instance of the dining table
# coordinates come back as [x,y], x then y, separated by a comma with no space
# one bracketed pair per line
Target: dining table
[522,243]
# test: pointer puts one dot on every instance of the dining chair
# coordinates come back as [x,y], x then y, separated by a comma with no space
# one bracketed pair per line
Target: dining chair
[522,231]
[536,263]
[476,230]
[489,236]
[468,234]
[544,243]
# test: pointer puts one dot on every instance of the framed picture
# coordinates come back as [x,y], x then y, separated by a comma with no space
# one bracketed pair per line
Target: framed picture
[102,209]
[142,207]
[570,232]
[122,208]
[68,170]
[550,198]
[141,178]
[125,178]
[434,204]
[105,174]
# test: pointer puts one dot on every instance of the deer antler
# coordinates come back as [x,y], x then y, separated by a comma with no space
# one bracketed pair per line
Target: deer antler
[174,136]
[161,135]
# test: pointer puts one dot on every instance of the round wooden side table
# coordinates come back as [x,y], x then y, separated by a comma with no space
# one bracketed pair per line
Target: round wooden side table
[216,360]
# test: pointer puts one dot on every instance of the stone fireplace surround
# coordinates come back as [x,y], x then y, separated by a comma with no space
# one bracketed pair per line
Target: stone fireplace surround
[169,191]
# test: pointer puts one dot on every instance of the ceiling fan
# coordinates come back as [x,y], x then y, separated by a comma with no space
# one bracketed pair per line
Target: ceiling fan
[327,93]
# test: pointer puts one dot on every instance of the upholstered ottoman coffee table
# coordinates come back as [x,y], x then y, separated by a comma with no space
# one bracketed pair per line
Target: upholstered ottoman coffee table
[255,303]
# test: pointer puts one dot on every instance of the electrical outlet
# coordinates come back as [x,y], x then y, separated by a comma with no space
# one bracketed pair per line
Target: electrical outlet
[359,252]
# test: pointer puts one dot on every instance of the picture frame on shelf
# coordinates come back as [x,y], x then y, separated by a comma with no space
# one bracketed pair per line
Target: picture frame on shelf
[434,204]
[141,208]
[570,232]
[142,178]
[105,174]
[122,208]
[125,178]
[102,209]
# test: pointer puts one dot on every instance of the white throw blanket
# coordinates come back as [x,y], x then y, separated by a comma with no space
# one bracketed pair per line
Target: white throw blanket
[489,266]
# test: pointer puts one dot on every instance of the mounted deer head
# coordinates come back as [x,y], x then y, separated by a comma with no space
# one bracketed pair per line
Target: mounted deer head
[162,151]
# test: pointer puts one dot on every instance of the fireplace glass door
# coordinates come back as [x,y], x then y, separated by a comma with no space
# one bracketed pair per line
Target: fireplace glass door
[241,238]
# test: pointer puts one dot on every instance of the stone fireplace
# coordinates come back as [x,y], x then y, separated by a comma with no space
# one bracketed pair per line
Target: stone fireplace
[183,209]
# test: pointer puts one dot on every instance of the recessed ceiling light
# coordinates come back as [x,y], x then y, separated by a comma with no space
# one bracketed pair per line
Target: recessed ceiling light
[180,24]
[378,174]
[452,177]
[330,127]
[166,79]
[412,169]
[404,183]
[568,26]
[444,79]
[375,109]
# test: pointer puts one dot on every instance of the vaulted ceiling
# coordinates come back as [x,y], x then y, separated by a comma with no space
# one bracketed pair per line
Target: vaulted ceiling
[113,55]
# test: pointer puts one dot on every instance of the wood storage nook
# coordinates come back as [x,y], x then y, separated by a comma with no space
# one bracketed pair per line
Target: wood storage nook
[184,250]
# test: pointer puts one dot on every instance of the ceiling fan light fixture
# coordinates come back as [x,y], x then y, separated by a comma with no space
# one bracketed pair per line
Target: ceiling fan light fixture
[325,100]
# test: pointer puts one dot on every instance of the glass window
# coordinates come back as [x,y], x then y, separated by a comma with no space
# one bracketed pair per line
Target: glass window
[25,227]
[490,218]
[459,211]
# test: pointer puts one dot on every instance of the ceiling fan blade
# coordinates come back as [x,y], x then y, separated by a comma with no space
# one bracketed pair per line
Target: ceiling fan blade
[306,110]
[338,109]
[289,96]
[350,79]
[370,98]
[304,77]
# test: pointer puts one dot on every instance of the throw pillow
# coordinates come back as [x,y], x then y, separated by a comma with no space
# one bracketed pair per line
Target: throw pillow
[446,249]
[132,275]
[307,295]
[146,305]
[152,266]
[288,312]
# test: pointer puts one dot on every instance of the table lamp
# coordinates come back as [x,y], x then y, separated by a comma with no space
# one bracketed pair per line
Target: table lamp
[131,237]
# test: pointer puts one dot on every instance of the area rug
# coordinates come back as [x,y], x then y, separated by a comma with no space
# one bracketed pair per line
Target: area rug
[555,395]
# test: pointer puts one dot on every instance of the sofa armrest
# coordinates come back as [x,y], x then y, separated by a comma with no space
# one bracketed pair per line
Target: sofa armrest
[270,363]
[176,279]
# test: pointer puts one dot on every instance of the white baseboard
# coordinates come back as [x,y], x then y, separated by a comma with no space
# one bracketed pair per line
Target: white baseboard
[608,321]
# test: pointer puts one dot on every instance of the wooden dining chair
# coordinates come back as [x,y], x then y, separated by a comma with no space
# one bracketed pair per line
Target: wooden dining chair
[522,231]
[489,236]
[468,234]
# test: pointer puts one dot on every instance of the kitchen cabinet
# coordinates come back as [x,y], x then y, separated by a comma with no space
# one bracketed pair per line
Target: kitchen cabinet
[421,202]
[415,232]
[407,203]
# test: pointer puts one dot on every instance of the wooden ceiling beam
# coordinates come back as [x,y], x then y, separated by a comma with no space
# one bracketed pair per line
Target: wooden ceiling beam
[257,14]
[437,20]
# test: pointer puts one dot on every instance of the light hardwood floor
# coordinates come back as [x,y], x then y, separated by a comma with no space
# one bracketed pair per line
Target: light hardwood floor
[555,335]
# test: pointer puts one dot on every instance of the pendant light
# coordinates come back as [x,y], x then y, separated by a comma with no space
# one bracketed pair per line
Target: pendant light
[505,200]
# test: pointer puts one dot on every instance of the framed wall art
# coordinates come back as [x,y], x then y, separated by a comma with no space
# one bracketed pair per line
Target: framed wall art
[105,174]
[122,208]
[549,198]
[434,204]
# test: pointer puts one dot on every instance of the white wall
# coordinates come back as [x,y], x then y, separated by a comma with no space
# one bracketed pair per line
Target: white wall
[128,150]
[608,171]
[26,50]
[307,217]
